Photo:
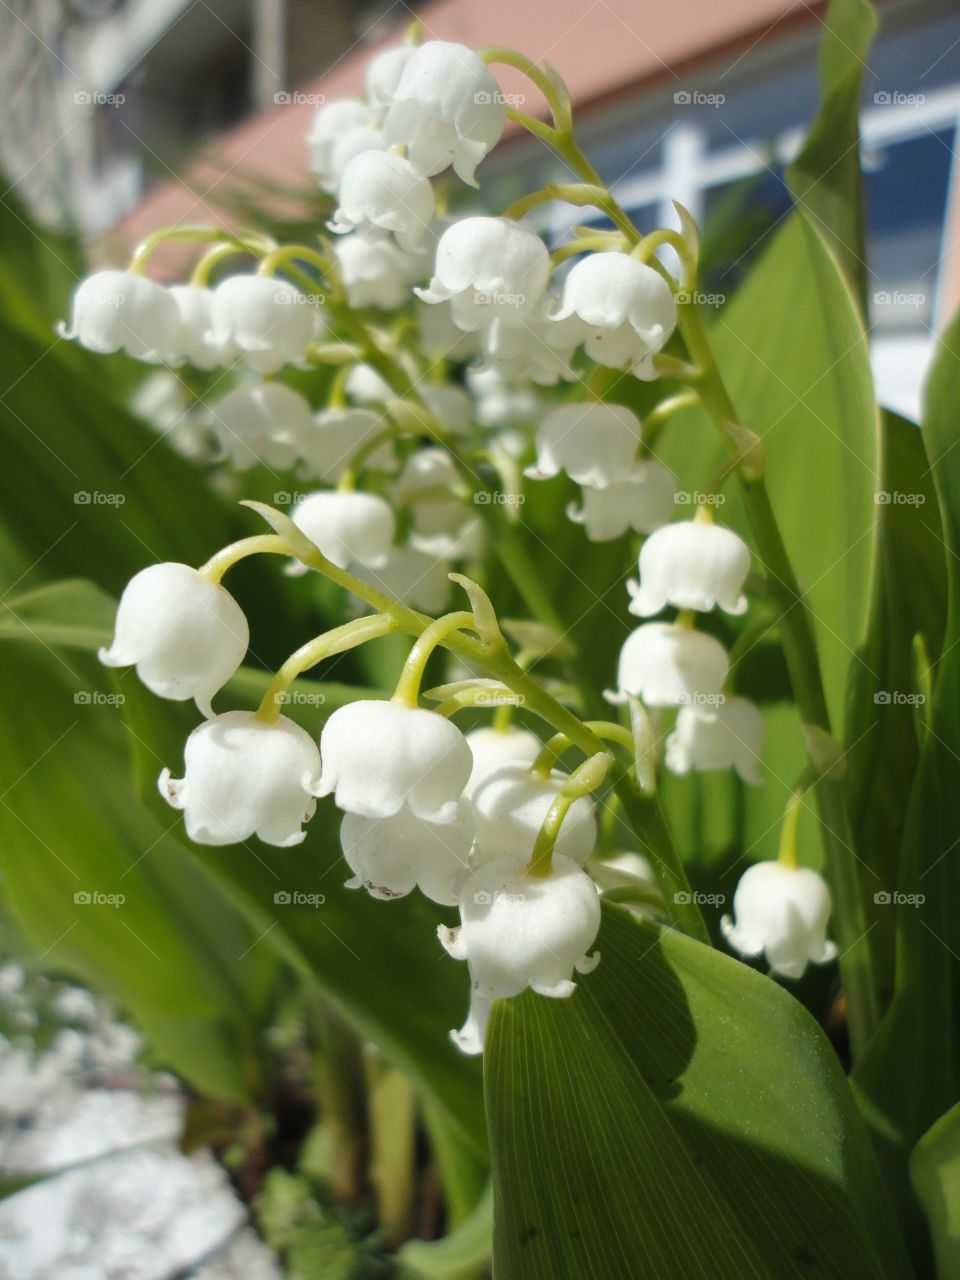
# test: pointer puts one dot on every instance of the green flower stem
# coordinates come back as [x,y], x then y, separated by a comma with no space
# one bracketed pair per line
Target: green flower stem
[227,557]
[554,747]
[584,779]
[787,852]
[339,640]
[280,259]
[800,648]
[193,235]
[407,691]
[665,410]
[354,467]
[603,240]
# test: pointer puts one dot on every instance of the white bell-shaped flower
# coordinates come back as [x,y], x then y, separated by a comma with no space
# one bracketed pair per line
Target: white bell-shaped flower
[510,804]
[185,634]
[643,501]
[430,470]
[377,273]
[441,338]
[518,931]
[333,120]
[488,269]
[491,748]
[594,443]
[334,437]
[668,665]
[270,322]
[443,528]
[366,386]
[391,856]
[693,565]
[244,776]
[349,528]
[381,757]
[450,405]
[382,190]
[498,401]
[781,911]
[261,424]
[383,73]
[536,349]
[347,147]
[625,311]
[195,342]
[446,109]
[728,736]
[414,577]
[124,311]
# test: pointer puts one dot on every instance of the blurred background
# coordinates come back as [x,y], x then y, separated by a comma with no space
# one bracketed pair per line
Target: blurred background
[123,115]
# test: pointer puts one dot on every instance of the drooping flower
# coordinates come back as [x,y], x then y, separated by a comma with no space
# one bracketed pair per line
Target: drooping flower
[391,856]
[518,931]
[261,424]
[501,402]
[185,634]
[347,147]
[729,735]
[536,348]
[488,269]
[270,322]
[195,341]
[332,121]
[594,443]
[669,665]
[245,776]
[412,576]
[781,911]
[493,747]
[381,757]
[446,109]
[377,273]
[366,386]
[510,804]
[450,405]
[349,528]
[442,527]
[380,190]
[624,311]
[334,437]
[124,311]
[692,565]
[643,501]
[383,73]
[441,338]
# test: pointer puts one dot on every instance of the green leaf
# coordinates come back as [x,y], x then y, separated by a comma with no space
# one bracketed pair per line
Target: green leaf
[935,1174]
[462,1253]
[681,1116]
[74,614]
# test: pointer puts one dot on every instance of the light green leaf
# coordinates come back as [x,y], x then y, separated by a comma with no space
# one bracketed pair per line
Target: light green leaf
[935,1174]
[460,1254]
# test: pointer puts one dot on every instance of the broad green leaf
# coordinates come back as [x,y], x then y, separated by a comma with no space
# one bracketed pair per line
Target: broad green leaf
[911,1073]
[74,614]
[935,1174]
[680,1116]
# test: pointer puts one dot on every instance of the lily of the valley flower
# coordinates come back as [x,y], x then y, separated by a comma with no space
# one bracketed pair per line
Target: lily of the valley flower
[333,438]
[414,577]
[537,348]
[332,122]
[442,527]
[518,931]
[668,665]
[488,269]
[366,386]
[185,634]
[377,272]
[510,804]
[347,147]
[383,73]
[124,311]
[349,528]
[391,856]
[692,565]
[268,321]
[730,735]
[781,911]
[642,501]
[380,190]
[594,443]
[195,341]
[441,338]
[450,405]
[381,757]
[244,776]
[623,309]
[493,747]
[261,424]
[446,109]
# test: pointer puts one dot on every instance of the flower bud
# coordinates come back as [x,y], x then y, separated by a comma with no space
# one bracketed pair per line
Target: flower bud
[518,931]
[691,565]
[643,501]
[261,424]
[335,435]
[730,735]
[382,190]
[488,268]
[124,311]
[244,776]
[391,856]
[185,634]
[447,108]
[622,309]
[380,757]
[349,528]
[269,321]
[782,911]
[669,665]
[510,804]
[492,748]
[593,442]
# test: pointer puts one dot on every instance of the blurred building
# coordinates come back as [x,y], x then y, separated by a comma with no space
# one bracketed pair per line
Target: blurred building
[128,114]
